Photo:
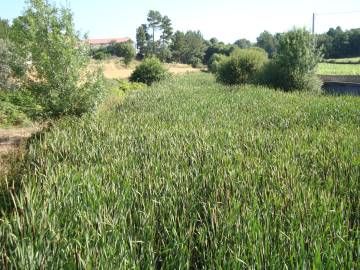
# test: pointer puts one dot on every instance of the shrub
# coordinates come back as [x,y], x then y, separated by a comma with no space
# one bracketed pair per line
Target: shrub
[149,71]
[100,54]
[126,86]
[215,61]
[195,62]
[59,60]
[242,66]
[11,115]
[294,65]
[125,50]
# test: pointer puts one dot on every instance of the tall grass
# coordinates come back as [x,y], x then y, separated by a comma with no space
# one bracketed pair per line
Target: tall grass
[190,174]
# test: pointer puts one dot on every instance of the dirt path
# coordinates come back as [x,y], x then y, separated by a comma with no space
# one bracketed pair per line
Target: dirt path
[10,140]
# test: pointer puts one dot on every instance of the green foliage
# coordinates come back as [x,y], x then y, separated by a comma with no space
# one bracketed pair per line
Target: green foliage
[242,66]
[5,66]
[11,115]
[215,61]
[149,71]
[125,50]
[165,54]
[218,48]
[194,46]
[190,175]
[337,43]
[178,47]
[12,65]
[295,63]
[195,62]
[4,29]
[167,31]
[243,43]
[268,42]
[126,86]
[142,39]
[100,54]
[59,60]
[18,107]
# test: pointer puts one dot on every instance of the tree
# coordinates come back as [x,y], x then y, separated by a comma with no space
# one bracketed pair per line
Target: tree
[154,19]
[167,30]
[59,59]
[4,29]
[268,42]
[243,43]
[354,42]
[125,50]
[141,40]
[178,47]
[293,68]
[194,46]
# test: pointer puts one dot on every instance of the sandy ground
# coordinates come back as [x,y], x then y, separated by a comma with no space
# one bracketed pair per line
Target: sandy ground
[115,69]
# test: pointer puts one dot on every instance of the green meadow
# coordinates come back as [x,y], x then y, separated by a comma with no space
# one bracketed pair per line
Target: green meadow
[191,174]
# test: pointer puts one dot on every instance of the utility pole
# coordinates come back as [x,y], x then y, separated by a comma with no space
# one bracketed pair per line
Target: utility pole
[313,24]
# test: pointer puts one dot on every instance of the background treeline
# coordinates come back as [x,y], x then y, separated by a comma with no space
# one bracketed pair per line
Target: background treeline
[156,37]
[337,43]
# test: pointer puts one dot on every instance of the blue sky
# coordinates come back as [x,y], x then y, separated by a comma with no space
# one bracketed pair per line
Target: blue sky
[227,20]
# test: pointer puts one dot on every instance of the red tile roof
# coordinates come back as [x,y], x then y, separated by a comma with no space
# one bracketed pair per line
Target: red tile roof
[104,41]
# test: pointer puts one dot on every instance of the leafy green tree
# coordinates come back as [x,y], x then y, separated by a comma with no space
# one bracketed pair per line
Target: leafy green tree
[154,19]
[164,54]
[195,46]
[268,42]
[142,39]
[217,48]
[5,66]
[354,42]
[177,47]
[293,68]
[243,43]
[125,50]
[167,30]
[59,60]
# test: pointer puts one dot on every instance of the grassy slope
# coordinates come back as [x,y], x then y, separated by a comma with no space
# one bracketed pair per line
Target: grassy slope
[336,69]
[194,174]
[344,60]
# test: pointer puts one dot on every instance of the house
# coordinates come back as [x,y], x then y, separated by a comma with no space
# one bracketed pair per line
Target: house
[103,42]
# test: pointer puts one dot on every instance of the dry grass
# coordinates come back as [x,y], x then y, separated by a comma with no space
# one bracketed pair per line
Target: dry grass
[115,69]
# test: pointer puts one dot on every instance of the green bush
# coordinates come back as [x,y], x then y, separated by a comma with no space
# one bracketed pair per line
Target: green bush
[196,62]
[11,115]
[294,66]
[100,54]
[242,66]
[63,85]
[215,61]
[18,107]
[125,50]
[149,71]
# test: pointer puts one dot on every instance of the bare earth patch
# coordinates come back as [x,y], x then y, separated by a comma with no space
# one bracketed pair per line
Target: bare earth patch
[115,69]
